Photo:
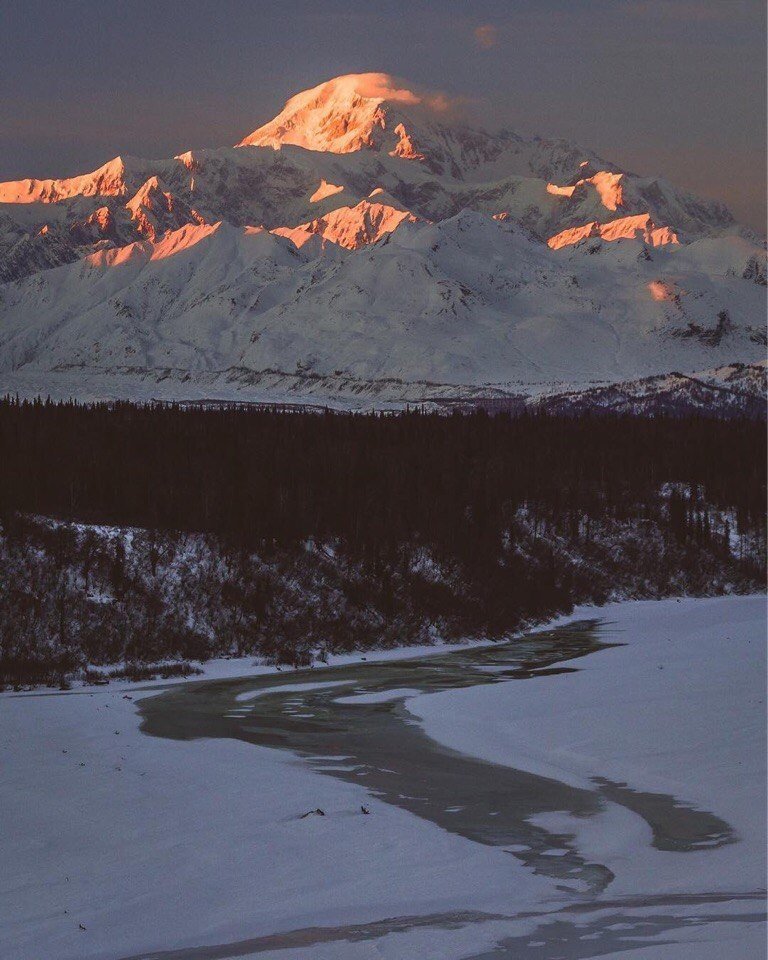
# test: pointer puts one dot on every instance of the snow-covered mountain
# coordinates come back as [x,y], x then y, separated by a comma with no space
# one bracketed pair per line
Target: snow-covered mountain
[363,244]
[353,227]
[370,112]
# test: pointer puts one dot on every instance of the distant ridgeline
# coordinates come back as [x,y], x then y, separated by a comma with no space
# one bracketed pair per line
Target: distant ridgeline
[290,535]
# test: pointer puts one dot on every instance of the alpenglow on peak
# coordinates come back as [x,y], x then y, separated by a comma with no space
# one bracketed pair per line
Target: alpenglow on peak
[346,114]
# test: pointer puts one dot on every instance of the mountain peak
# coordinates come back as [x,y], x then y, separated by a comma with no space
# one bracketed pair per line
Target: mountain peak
[375,112]
[346,114]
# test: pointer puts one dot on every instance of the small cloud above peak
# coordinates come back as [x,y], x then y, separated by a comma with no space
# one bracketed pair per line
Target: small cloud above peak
[383,87]
[486,35]
[374,86]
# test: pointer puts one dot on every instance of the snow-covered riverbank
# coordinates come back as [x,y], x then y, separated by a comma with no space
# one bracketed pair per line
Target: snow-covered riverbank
[678,711]
[153,844]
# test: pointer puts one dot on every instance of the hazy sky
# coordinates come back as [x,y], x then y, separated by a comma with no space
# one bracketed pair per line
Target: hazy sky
[670,87]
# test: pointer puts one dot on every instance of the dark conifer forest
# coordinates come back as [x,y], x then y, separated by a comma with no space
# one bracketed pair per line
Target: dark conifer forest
[146,533]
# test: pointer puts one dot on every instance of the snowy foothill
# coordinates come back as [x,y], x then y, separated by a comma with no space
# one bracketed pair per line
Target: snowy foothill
[466,303]
[116,844]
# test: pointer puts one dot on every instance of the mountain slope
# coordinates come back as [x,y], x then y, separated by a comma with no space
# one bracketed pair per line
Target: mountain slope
[736,390]
[353,227]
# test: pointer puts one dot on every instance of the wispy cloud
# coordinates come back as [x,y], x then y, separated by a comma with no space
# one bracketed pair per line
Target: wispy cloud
[386,87]
[486,35]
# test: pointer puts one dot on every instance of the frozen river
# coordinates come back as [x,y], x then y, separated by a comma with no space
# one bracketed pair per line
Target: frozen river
[351,723]
[595,789]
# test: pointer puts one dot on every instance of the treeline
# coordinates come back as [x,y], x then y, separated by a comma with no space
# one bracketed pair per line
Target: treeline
[236,531]
[373,481]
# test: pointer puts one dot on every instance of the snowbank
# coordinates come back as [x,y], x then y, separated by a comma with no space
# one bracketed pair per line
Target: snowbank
[678,710]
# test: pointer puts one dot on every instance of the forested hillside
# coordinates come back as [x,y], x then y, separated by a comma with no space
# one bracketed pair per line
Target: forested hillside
[186,533]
